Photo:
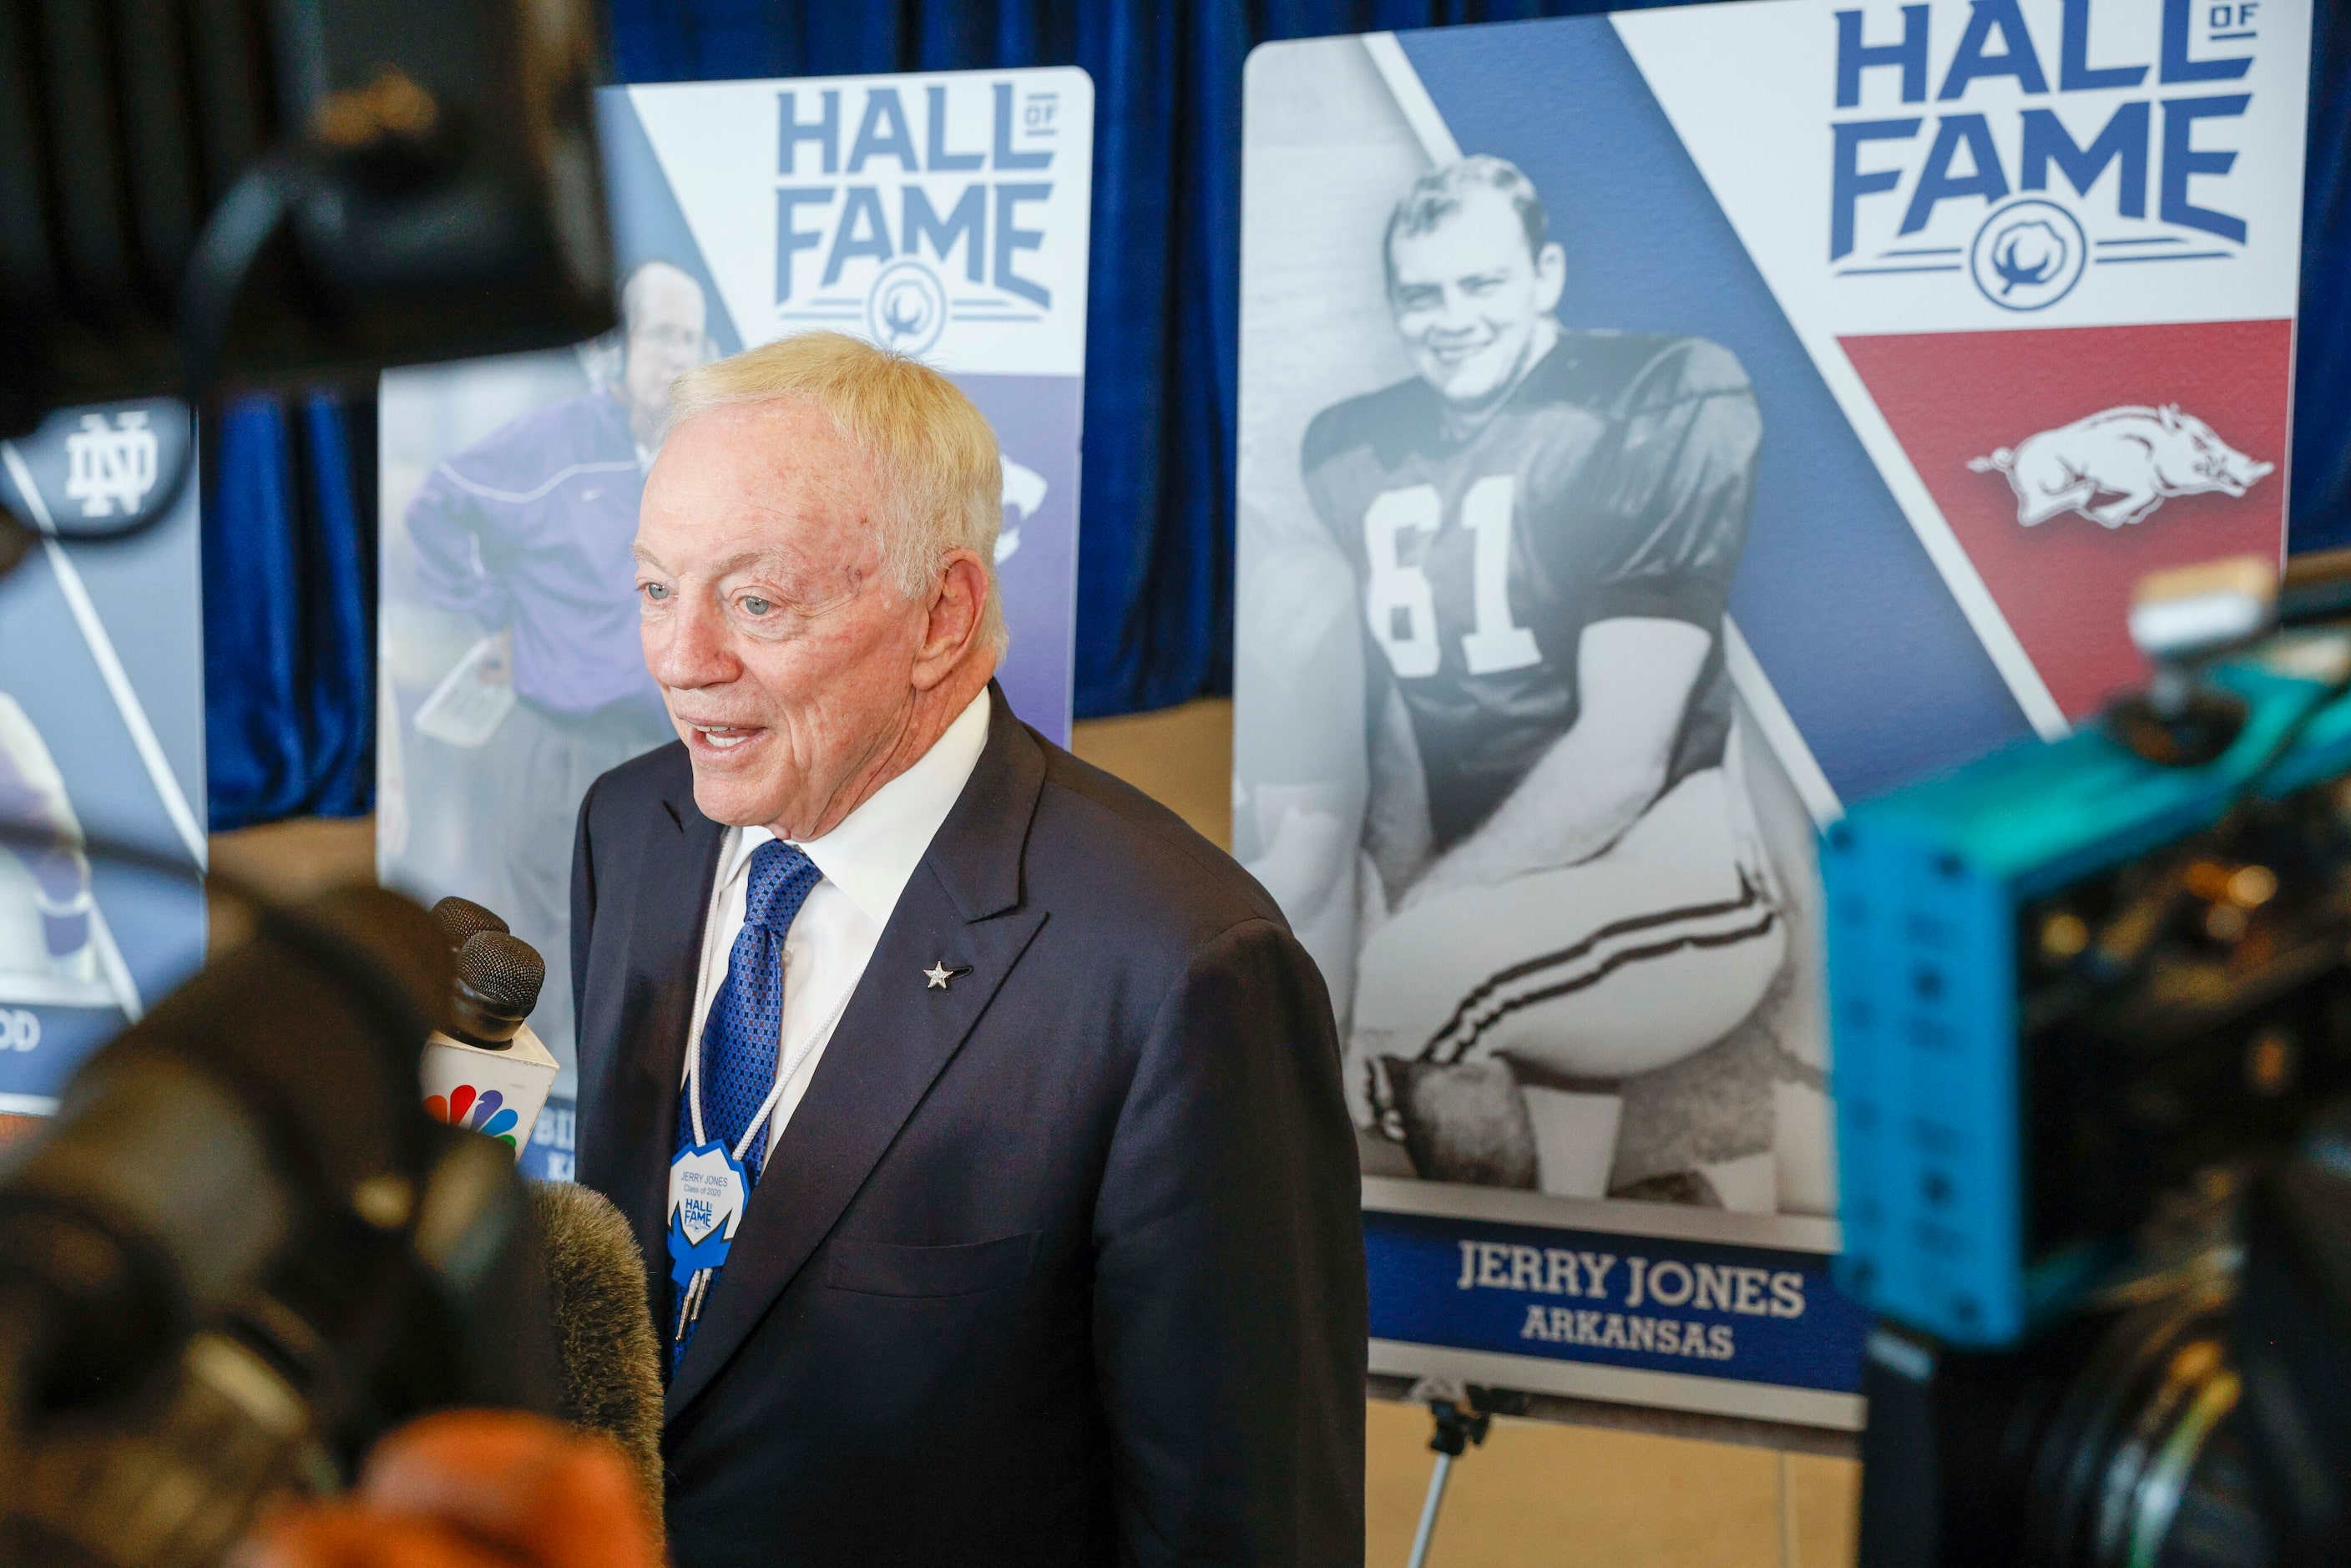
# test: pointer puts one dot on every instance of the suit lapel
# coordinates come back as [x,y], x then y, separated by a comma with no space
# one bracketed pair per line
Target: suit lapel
[638,1121]
[962,909]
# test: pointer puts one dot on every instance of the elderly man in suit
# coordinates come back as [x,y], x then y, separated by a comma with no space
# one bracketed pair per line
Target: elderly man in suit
[982,1123]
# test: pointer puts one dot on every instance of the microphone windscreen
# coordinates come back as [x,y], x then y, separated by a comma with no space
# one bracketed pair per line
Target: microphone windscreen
[502,970]
[461,917]
[606,1351]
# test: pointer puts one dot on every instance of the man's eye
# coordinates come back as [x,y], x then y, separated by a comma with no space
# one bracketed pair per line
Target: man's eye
[656,591]
[755,605]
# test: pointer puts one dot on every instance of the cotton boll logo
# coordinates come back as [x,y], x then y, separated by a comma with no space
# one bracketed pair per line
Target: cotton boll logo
[2027,255]
[907,308]
[482,1112]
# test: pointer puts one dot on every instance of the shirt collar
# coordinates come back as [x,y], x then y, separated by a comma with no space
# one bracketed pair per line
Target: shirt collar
[872,853]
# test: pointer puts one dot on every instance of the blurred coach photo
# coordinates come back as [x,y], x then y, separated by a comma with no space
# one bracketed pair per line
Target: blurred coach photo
[982,1124]
[528,533]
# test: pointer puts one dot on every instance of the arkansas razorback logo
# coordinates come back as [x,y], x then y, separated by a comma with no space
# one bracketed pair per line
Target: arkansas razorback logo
[2136,456]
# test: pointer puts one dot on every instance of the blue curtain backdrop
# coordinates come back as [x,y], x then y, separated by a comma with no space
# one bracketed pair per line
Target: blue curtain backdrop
[290,608]
[289,550]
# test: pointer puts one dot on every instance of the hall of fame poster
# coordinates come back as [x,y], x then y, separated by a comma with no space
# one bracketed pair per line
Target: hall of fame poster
[1658,430]
[102,846]
[943,215]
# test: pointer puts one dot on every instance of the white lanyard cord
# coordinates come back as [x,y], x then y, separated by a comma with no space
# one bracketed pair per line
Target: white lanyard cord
[784,1073]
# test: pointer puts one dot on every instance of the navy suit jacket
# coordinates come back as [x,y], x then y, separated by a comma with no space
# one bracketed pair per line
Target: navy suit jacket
[1060,1264]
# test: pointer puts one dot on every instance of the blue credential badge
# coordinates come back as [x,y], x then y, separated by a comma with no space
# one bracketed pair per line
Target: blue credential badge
[707,1190]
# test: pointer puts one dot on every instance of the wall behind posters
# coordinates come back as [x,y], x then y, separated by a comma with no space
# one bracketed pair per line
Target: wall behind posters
[943,215]
[102,739]
[1656,430]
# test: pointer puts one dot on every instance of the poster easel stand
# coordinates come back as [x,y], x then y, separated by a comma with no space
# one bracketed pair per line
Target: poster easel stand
[1464,1413]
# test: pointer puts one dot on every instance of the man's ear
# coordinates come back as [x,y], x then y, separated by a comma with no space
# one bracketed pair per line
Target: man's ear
[1551,275]
[958,606]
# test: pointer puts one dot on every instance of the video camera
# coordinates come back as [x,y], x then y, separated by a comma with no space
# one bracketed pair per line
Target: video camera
[242,1252]
[2091,1017]
[198,196]
[224,190]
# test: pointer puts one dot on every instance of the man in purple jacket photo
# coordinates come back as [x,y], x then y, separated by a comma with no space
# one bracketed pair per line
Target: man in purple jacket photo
[528,534]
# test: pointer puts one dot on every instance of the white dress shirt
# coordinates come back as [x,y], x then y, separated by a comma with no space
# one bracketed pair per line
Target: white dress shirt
[867,863]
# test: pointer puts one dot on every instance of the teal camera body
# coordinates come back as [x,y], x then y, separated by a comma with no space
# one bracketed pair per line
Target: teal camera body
[2064,981]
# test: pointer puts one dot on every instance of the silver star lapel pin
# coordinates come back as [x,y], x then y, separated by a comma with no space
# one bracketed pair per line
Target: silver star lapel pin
[938,974]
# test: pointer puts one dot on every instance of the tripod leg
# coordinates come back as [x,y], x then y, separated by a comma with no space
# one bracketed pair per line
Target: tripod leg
[1436,1478]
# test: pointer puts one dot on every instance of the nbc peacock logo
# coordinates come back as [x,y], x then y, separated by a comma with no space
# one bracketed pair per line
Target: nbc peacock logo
[483,1111]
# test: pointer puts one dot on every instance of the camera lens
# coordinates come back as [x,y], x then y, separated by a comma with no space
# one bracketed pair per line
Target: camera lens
[2139,1466]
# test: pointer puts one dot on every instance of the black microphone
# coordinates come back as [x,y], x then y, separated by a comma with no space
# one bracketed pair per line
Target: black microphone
[484,1069]
[499,974]
[608,1358]
[461,917]
[498,981]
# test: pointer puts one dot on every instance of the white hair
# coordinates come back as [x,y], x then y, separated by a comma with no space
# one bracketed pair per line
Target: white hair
[935,454]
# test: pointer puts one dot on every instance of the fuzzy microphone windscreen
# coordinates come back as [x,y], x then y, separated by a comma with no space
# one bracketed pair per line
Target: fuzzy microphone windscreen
[606,1349]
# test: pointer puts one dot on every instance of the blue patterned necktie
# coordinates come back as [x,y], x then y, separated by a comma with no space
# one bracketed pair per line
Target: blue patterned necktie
[739,1039]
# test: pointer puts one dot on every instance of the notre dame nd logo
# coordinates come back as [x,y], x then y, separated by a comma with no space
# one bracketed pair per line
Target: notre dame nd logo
[110,467]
